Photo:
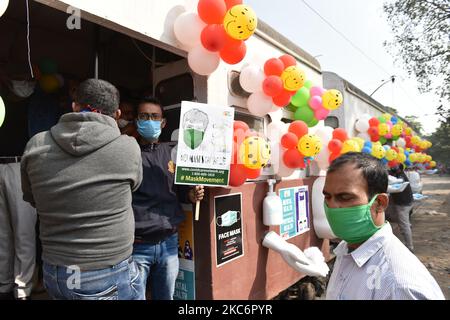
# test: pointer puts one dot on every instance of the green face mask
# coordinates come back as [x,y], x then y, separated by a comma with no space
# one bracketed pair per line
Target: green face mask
[193,138]
[353,224]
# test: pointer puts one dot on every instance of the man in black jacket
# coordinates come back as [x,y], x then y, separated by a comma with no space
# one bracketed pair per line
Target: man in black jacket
[156,205]
[402,203]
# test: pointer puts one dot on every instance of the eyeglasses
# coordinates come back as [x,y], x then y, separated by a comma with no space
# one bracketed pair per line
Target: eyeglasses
[149,116]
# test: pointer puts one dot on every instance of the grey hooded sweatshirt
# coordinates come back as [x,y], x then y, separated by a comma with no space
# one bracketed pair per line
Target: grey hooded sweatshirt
[79,176]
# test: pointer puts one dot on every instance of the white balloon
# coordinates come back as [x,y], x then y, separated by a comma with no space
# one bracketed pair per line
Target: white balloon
[251,78]
[401,143]
[322,158]
[274,130]
[259,104]
[284,171]
[364,135]
[202,61]
[3,6]
[362,125]
[321,225]
[325,134]
[187,28]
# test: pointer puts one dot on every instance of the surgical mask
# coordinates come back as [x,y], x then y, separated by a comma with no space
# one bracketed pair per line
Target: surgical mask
[122,123]
[353,224]
[149,129]
[228,219]
[193,137]
[22,88]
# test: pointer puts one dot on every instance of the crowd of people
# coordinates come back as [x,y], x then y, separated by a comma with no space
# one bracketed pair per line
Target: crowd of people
[102,187]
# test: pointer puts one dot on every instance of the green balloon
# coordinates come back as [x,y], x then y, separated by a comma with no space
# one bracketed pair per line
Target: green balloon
[300,99]
[308,84]
[48,66]
[2,111]
[304,113]
[291,108]
[382,119]
[312,123]
[383,140]
[395,138]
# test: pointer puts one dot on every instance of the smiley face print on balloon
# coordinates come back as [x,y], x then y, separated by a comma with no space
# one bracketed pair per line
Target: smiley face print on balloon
[309,145]
[293,78]
[332,99]
[240,22]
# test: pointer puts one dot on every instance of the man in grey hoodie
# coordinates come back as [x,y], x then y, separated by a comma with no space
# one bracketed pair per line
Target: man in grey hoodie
[79,176]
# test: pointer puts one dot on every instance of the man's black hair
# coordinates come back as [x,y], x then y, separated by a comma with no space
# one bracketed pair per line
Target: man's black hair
[98,94]
[373,170]
[152,100]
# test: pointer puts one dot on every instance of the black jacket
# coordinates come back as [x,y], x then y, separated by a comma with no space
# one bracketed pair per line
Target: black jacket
[156,204]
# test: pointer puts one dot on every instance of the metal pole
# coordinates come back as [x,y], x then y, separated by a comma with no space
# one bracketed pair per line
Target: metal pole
[391,79]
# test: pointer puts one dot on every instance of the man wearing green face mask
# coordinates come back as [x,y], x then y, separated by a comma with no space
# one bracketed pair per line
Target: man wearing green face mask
[371,263]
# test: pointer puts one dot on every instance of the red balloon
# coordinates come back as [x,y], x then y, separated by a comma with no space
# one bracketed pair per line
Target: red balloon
[231,3]
[340,134]
[212,11]
[395,149]
[373,131]
[273,67]
[333,157]
[272,86]
[234,51]
[408,139]
[299,128]
[335,146]
[288,60]
[240,125]
[238,175]
[213,37]
[289,140]
[252,173]
[375,137]
[293,159]
[374,122]
[392,164]
[282,99]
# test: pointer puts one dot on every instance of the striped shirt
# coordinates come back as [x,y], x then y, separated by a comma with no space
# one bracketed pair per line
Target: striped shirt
[382,268]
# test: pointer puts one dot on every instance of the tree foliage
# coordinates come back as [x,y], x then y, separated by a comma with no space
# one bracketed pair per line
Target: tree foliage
[415,124]
[440,151]
[421,43]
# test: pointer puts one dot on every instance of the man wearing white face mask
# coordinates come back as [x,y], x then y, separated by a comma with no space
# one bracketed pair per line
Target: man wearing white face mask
[371,262]
[17,217]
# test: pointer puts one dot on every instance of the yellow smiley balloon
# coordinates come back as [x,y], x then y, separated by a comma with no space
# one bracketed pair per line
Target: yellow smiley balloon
[332,99]
[293,78]
[383,129]
[309,145]
[378,151]
[415,140]
[240,22]
[254,152]
[391,155]
[401,157]
[397,130]
[350,146]
[433,164]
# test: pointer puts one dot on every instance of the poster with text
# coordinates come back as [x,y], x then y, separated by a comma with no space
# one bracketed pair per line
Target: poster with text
[205,144]
[185,283]
[228,226]
[295,211]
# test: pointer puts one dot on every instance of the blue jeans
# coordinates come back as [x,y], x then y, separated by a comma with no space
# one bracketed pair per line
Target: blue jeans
[159,262]
[119,282]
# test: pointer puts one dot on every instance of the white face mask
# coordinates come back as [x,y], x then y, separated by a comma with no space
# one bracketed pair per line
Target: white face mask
[22,88]
[122,123]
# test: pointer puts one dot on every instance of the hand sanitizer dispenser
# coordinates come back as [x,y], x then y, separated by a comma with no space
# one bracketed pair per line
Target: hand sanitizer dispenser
[272,207]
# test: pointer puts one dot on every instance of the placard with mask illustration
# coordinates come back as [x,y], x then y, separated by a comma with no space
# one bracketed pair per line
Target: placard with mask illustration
[295,211]
[205,144]
[228,222]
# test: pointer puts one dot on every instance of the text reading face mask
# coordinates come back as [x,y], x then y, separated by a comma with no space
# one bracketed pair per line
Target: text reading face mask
[353,224]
